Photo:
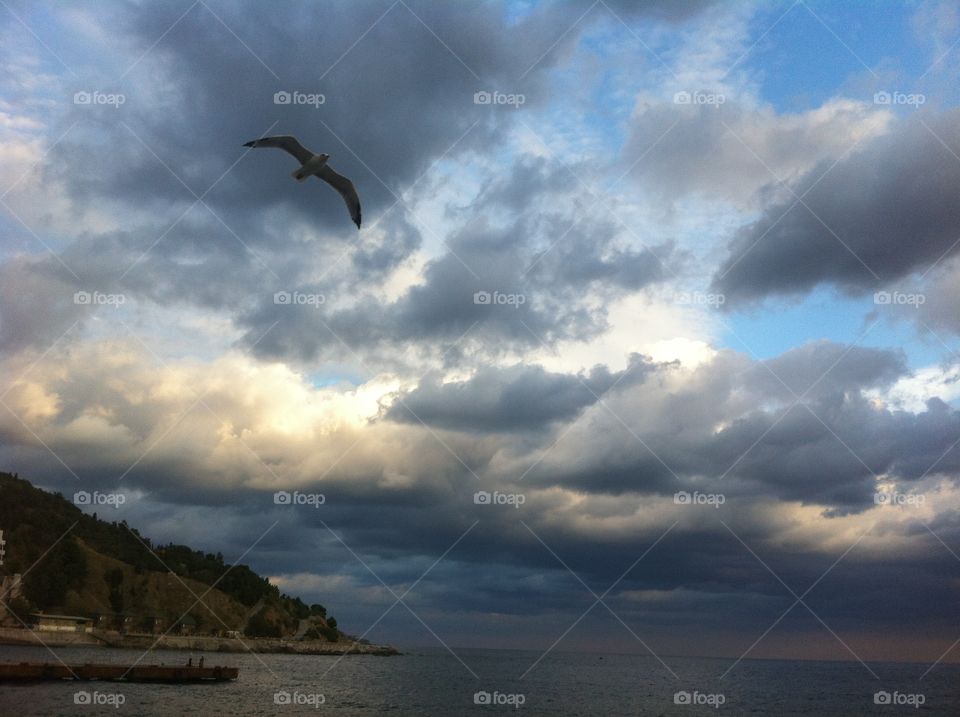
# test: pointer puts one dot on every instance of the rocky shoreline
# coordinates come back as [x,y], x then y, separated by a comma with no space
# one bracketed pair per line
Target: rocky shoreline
[194,643]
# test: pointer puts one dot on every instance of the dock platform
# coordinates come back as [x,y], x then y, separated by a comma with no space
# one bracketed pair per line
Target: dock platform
[42,671]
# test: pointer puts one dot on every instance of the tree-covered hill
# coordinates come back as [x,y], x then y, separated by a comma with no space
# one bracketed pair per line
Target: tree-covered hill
[99,567]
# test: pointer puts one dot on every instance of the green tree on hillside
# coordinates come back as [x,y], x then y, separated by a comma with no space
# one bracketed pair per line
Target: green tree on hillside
[63,568]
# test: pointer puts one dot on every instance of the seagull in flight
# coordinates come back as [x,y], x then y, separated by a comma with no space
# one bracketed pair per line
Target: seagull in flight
[315,164]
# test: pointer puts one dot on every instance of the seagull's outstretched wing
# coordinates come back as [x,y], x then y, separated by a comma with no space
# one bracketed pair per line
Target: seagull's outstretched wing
[285,142]
[346,189]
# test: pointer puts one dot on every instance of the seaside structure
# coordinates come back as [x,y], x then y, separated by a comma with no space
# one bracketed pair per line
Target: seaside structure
[60,623]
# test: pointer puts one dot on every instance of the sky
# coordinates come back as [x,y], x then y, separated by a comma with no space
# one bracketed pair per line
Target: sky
[648,341]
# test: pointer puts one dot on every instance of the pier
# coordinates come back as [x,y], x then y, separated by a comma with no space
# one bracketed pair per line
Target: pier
[40,671]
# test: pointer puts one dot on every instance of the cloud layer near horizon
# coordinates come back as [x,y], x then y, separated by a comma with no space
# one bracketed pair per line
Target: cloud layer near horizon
[527,310]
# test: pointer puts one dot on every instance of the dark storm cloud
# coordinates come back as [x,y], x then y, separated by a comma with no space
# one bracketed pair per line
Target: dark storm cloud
[398,98]
[729,425]
[36,303]
[825,367]
[884,212]
[481,287]
[405,494]
[599,474]
[500,400]
[736,422]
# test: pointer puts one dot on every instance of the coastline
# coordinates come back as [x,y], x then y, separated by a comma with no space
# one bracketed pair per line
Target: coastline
[195,643]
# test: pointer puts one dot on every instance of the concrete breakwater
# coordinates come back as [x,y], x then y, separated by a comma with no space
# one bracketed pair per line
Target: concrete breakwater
[195,643]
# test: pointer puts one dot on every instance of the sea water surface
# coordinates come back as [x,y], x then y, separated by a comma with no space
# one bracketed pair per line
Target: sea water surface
[434,682]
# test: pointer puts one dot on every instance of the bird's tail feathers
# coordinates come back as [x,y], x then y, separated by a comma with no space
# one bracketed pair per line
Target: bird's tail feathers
[300,174]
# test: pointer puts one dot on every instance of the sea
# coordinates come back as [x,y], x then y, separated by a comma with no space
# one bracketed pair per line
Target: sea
[487,682]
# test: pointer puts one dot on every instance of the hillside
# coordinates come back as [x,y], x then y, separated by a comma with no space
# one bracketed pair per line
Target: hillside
[110,569]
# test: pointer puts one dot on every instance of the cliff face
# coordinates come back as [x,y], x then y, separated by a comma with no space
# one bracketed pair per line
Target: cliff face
[109,571]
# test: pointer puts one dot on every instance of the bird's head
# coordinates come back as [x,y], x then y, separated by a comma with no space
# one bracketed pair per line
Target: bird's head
[324,157]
